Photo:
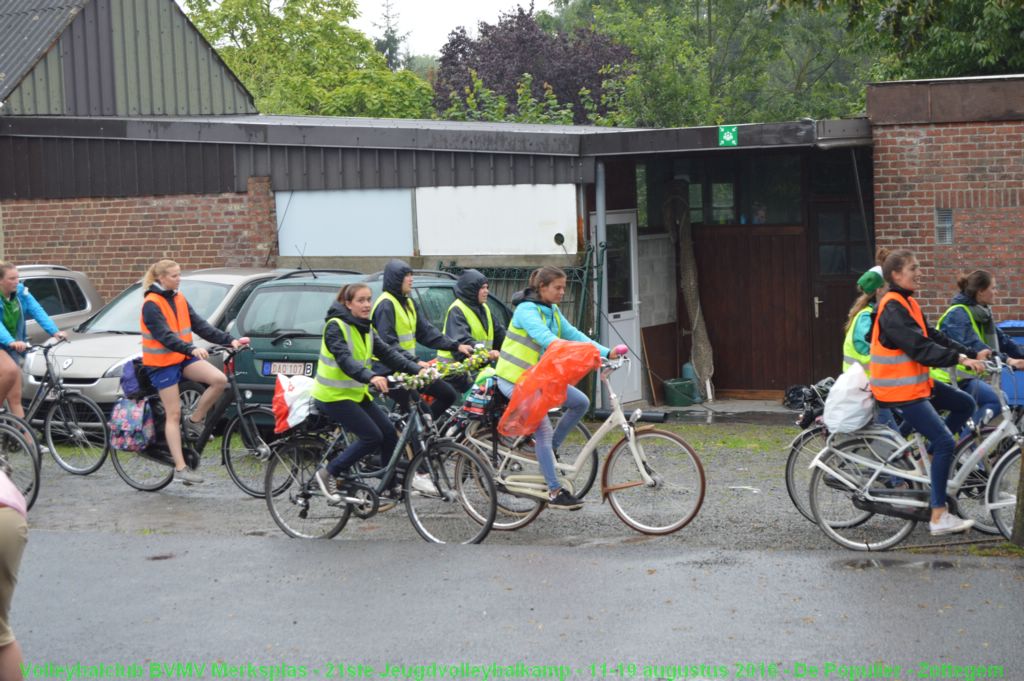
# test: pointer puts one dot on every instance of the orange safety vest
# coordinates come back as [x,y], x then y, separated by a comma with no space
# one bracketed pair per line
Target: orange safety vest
[894,376]
[154,353]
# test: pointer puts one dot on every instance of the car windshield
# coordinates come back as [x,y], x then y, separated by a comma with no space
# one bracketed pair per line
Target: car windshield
[121,315]
[278,309]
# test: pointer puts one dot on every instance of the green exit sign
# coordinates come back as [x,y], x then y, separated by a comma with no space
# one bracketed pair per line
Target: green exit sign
[728,136]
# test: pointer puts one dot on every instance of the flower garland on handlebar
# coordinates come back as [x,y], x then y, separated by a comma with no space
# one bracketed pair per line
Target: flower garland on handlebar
[474,362]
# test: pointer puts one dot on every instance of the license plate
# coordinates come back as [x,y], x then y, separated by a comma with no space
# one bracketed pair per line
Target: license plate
[288,368]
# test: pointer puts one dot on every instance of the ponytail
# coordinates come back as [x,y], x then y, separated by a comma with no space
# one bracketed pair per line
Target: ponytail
[157,270]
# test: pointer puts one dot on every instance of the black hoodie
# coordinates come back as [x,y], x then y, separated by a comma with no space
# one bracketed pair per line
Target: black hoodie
[384,315]
[386,355]
[161,331]
[467,288]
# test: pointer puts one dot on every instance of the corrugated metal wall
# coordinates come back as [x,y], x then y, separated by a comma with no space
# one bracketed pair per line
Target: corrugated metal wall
[163,66]
[298,168]
[130,57]
[72,167]
[41,92]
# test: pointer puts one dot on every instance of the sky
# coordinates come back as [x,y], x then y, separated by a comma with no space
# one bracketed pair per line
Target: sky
[428,22]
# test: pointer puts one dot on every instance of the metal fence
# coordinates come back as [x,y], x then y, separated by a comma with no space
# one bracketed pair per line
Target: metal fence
[505,281]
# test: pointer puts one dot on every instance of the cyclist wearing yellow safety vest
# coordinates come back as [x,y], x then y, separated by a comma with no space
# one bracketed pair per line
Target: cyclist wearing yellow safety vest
[536,323]
[344,371]
[857,342]
[168,354]
[469,321]
[969,321]
[398,322]
[903,347]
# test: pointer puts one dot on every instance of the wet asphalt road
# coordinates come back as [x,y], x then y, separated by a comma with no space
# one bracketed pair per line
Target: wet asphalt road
[203,574]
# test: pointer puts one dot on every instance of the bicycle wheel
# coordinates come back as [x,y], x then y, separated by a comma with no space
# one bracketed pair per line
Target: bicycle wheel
[970,498]
[76,432]
[570,448]
[802,451]
[142,472]
[1003,491]
[22,456]
[295,501]
[244,456]
[835,513]
[676,493]
[462,495]
[514,511]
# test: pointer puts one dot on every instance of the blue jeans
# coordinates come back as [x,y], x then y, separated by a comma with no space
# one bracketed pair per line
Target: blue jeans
[548,439]
[984,395]
[923,417]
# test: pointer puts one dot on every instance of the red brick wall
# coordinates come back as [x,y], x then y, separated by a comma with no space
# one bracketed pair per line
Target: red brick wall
[975,169]
[115,240]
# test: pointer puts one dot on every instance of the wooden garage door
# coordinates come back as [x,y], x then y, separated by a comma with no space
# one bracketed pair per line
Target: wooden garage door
[754,287]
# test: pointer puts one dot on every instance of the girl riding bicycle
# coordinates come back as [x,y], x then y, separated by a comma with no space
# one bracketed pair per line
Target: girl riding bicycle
[398,322]
[903,347]
[469,321]
[537,322]
[969,321]
[167,323]
[18,306]
[344,371]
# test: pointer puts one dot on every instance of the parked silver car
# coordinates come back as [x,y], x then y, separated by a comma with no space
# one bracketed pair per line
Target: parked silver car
[92,362]
[68,297]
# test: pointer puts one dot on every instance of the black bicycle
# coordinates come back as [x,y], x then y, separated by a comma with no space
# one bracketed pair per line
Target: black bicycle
[74,427]
[245,446]
[447,489]
[19,456]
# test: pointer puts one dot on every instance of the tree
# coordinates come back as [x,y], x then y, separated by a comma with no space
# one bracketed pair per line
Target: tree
[935,38]
[390,44]
[704,62]
[480,103]
[302,57]
[565,63]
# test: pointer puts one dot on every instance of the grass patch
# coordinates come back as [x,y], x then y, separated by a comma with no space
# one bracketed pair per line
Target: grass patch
[736,436]
[1003,550]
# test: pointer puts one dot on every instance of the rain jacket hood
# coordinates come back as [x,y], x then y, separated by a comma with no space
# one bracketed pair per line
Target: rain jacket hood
[467,288]
[394,274]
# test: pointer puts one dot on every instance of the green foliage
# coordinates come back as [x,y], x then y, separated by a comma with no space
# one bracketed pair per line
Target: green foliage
[480,103]
[934,38]
[707,62]
[302,57]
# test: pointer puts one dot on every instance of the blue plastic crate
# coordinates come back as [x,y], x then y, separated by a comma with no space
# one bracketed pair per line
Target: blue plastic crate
[1013,384]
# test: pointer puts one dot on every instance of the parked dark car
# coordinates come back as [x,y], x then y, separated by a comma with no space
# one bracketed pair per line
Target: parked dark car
[284,319]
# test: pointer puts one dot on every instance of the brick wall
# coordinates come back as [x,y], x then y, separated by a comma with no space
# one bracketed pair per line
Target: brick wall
[115,240]
[977,171]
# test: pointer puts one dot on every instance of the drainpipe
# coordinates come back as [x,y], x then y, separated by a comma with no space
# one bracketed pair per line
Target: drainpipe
[602,239]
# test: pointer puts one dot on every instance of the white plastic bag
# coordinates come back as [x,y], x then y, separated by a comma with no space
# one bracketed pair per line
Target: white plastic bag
[850,405]
[291,401]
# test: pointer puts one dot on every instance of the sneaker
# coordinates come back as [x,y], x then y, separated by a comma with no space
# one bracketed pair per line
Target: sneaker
[950,524]
[563,501]
[44,450]
[422,483]
[327,484]
[193,429]
[187,476]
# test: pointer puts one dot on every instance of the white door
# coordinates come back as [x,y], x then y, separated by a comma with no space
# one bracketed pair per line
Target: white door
[621,303]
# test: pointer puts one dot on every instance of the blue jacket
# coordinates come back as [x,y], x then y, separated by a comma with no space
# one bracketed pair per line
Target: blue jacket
[29,308]
[957,325]
[528,318]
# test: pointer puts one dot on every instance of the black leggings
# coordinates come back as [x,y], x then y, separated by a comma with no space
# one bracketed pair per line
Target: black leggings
[444,396]
[368,423]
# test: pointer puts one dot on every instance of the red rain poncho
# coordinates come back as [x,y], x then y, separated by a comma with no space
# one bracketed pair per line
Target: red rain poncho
[543,386]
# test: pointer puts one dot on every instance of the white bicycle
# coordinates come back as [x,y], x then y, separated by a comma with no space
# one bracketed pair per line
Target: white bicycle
[653,480]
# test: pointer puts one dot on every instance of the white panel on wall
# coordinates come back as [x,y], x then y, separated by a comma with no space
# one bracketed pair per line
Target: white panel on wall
[507,220]
[356,222]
